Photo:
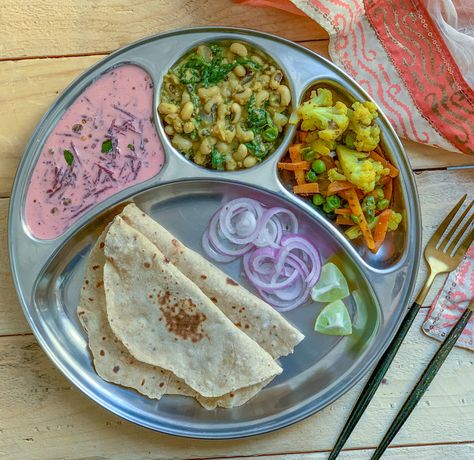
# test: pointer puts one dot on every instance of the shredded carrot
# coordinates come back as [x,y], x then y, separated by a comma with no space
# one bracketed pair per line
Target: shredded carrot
[379,150]
[328,161]
[386,164]
[295,166]
[295,156]
[295,152]
[380,230]
[323,185]
[306,189]
[354,205]
[388,190]
[338,186]
[384,180]
[343,211]
[302,135]
[343,220]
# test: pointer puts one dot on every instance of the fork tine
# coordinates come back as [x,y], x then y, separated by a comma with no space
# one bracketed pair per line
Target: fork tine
[447,220]
[455,226]
[464,246]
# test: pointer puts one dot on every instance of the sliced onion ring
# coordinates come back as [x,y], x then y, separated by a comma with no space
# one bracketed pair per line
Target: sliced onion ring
[280,263]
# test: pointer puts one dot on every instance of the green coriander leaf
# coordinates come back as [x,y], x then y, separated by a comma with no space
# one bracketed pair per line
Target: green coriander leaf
[217,160]
[107,146]
[69,157]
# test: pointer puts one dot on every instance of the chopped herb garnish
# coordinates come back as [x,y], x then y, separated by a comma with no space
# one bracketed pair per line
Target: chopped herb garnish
[248,63]
[257,118]
[69,157]
[107,146]
[131,147]
[217,160]
[197,69]
[257,148]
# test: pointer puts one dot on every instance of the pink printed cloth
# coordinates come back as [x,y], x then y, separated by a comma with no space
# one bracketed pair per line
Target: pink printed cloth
[416,59]
[450,303]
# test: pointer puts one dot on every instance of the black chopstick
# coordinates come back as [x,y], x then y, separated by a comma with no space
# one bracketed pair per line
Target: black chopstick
[374,380]
[425,381]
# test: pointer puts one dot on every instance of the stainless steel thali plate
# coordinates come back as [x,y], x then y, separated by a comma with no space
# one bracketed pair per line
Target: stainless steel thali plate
[182,197]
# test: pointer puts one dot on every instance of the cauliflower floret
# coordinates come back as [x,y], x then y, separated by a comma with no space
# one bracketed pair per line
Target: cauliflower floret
[330,122]
[394,221]
[334,175]
[380,171]
[362,133]
[323,147]
[359,169]
[322,97]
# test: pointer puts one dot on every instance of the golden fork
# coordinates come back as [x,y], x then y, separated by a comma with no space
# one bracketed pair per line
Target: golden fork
[442,254]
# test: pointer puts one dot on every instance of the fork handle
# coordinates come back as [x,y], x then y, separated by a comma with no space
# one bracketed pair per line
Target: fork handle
[374,380]
[424,382]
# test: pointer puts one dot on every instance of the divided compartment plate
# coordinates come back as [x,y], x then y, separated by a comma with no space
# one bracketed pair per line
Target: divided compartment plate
[48,273]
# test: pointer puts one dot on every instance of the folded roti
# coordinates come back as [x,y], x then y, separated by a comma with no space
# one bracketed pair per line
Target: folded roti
[115,364]
[163,319]
[256,318]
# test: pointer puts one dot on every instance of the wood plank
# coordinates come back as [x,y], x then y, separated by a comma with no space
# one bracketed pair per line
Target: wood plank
[13,321]
[44,417]
[438,190]
[60,28]
[29,87]
[438,451]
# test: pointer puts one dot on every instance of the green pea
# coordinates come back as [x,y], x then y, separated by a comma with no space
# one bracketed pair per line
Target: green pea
[318,199]
[354,218]
[333,201]
[270,134]
[383,204]
[369,202]
[370,215]
[311,176]
[307,154]
[327,209]
[318,166]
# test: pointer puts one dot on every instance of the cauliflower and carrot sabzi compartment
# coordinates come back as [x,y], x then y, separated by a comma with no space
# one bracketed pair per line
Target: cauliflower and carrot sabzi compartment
[337,163]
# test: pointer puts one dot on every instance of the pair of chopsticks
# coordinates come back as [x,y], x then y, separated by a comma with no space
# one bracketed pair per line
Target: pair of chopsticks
[443,254]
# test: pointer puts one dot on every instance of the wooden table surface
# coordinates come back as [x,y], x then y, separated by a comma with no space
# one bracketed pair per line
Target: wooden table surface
[44,44]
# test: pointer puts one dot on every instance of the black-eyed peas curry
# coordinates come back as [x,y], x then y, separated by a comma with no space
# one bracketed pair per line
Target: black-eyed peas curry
[225,105]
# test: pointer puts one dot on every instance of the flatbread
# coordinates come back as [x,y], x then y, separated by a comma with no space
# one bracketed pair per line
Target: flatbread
[165,320]
[112,360]
[252,315]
